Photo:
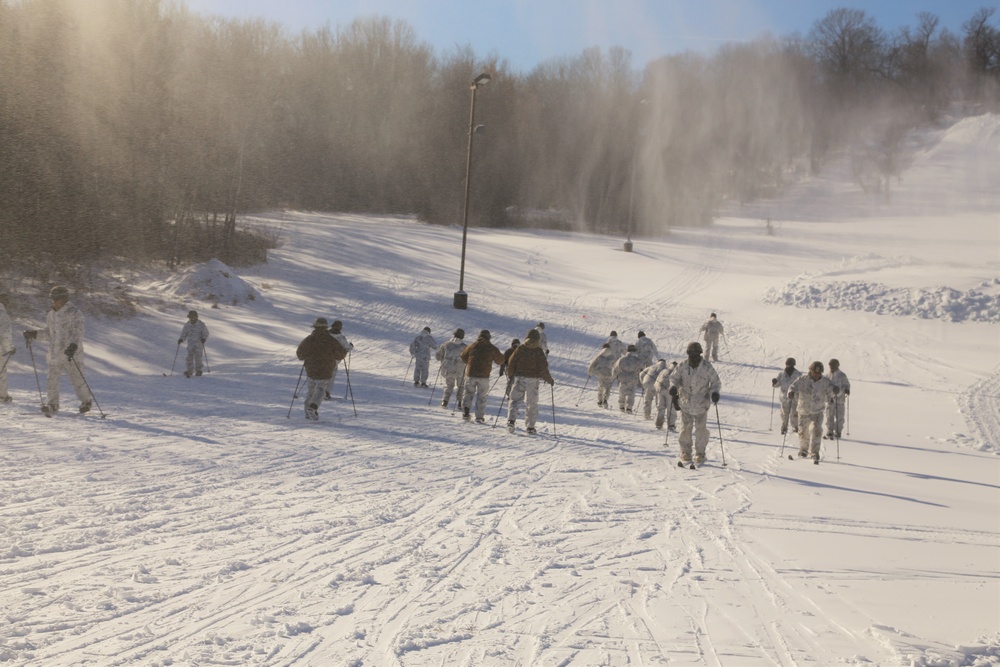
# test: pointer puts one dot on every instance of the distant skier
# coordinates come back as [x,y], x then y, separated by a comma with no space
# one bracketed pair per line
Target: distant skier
[810,394]
[6,347]
[713,329]
[527,366]
[514,344]
[665,408]
[543,340]
[337,331]
[318,351]
[647,378]
[600,368]
[618,346]
[195,333]
[421,349]
[626,370]
[64,331]
[452,367]
[783,382]
[695,385]
[835,409]
[646,349]
[479,358]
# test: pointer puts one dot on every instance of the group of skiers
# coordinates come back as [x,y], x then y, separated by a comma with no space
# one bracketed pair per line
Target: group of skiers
[805,398]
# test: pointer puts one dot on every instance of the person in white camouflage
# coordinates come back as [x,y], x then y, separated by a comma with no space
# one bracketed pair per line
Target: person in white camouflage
[646,349]
[647,379]
[713,329]
[600,368]
[64,332]
[7,348]
[811,393]
[195,333]
[665,408]
[695,385]
[626,370]
[337,331]
[617,345]
[421,349]
[784,380]
[836,408]
[452,367]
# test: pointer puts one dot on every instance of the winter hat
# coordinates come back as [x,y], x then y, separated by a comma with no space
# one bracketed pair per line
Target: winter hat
[630,348]
[694,347]
[485,333]
[192,313]
[712,315]
[816,366]
[790,361]
[58,292]
[642,334]
[459,333]
[337,326]
[834,362]
[514,342]
[614,333]
[533,335]
[427,329]
[540,325]
[320,323]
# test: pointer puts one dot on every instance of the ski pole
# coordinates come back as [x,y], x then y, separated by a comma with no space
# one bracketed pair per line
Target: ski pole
[87,385]
[407,369]
[35,368]
[8,355]
[347,372]
[719,424]
[506,395]
[295,394]
[434,386]
[770,424]
[552,388]
[176,352]
[847,404]
[204,351]
[783,436]
[580,397]
[836,423]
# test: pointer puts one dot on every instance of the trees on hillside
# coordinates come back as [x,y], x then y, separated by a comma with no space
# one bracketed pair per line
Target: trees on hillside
[136,127]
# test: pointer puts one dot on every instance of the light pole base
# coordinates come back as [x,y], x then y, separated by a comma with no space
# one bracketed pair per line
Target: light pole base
[461,301]
[628,246]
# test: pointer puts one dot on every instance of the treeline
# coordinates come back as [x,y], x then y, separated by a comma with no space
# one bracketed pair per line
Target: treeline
[137,128]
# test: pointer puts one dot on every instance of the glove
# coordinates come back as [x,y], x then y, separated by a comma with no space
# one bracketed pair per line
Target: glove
[836,390]
[672,391]
[202,341]
[70,350]
[180,340]
[10,353]
[30,335]
[715,397]
[674,402]
[847,392]
[774,382]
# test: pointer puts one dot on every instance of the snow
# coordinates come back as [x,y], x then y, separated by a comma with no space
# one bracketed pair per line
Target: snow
[197,524]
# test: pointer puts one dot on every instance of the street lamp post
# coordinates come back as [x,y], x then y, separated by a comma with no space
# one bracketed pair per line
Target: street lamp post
[461,301]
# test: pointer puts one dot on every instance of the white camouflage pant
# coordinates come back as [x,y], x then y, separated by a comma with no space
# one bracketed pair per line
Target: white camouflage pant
[604,389]
[665,408]
[835,414]
[810,433]
[74,371]
[524,390]
[699,424]
[315,393]
[476,389]
[195,356]
[453,382]
[626,394]
[712,347]
[789,414]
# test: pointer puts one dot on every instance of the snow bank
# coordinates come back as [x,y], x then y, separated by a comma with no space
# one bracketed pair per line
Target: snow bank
[944,303]
[214,282]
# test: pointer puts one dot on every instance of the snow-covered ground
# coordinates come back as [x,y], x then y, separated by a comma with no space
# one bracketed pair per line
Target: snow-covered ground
[197,524]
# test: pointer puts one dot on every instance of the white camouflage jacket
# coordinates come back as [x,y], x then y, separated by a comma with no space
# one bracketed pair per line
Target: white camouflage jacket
[626,370]
[695,386]
[62,327]
[811,396]
[450,356]
[6,335]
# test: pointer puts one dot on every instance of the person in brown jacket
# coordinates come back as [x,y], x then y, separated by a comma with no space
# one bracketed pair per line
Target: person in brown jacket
[479,358]
[319,352]
[526,367]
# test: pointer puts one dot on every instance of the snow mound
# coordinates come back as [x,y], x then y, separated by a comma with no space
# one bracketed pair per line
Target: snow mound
[213,282]
[980,304]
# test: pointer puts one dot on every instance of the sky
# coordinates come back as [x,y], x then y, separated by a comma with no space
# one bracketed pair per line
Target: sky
[527,32]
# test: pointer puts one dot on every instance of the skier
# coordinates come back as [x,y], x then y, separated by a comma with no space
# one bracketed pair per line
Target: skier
[617,345]
[420,350]
[600,367]
[647,378]
[626,370]
[783,382]
[318,351]
[7,349]
[543,341]
[692,385]
[479,358]
[665,404]
[835,409]
[514,343]
[195,333]
[64,331]
[526,367]
[646,349]
[452,368]
[810,394]
[337,331]
[713,329]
